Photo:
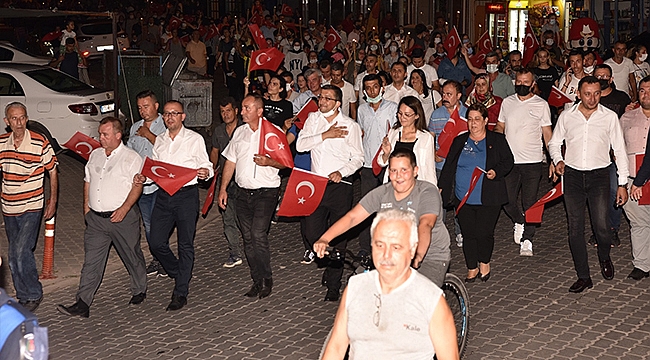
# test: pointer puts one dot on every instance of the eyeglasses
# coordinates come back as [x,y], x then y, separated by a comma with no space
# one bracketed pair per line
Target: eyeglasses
[171,113]
[408,115]
[377,316]
[321,97]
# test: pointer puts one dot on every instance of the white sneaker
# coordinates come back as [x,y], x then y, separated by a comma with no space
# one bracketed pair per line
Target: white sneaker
[526,248]
[459,240]
[519,232]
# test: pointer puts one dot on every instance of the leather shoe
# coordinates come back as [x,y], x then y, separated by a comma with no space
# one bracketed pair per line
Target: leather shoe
[177,303]
[581,285]
[31,305]
[638,274]
[332,295]
[137,299]
[607,269]
[267,285]
[485,277]
[255,289]
[79,308]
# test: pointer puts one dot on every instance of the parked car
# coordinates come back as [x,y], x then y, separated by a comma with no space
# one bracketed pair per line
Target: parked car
[11,54]
[95,37]
[58,105]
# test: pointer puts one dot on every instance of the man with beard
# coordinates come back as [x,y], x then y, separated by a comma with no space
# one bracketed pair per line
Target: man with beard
[570,79]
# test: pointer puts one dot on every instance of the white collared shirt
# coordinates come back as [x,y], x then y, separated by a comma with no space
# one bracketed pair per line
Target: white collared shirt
[344,155]
[110,178]
[391,93]
[187,150]
[243,146]
[588,141]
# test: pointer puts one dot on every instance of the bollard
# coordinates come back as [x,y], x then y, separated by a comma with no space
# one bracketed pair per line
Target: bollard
[48,251]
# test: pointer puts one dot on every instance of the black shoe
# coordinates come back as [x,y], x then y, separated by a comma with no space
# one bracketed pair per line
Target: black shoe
[592,240]
[79,308]
[267,285]
[485,277]
[607,269]
[255,289]
[153,267]
[137,299]
[581,285]
[332,295]
[616,241]
[638,274]
[177,303]
[31,305]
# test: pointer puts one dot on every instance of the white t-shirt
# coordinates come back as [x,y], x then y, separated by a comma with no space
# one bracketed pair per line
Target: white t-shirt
[524,121]
[622,73]
[429,71]
[348,97]
[640,71]
[571,89]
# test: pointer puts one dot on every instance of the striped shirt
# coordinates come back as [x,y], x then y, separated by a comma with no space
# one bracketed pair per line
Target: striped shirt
[23,171]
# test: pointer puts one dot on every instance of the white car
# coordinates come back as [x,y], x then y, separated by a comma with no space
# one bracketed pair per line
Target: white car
[58,105]
[12,54]
[95,37]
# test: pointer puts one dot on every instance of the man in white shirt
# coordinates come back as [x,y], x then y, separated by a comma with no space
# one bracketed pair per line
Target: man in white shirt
[314,78]
[525,119]
[371,63]
[417,62]
[589,130]
[258,183]
[326,71]
[336,152]
[349,105]
[182,147]
[398,88]
[623,70]
[110,191]
[570,79]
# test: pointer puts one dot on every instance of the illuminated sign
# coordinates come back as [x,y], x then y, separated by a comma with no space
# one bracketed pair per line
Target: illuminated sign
[495,8]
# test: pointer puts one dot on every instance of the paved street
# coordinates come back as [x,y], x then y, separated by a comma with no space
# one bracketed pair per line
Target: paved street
[523,311]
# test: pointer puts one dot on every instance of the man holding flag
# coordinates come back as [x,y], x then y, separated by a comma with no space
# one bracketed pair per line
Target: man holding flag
[336,152]
[256,176]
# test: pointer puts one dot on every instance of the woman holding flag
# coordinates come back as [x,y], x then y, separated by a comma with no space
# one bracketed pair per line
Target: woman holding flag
[472,180]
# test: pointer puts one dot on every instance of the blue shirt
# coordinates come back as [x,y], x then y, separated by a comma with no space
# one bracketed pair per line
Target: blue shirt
[375,126]
[437,122]
[302,160]
[460,72]
[142,146]
[471,156]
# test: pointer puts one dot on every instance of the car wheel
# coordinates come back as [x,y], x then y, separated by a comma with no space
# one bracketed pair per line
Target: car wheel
[41,129]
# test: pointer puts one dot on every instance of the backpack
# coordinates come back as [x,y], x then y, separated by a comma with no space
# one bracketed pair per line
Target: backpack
[20,336]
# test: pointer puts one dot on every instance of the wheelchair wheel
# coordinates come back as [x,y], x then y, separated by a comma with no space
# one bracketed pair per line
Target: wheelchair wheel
[458,299]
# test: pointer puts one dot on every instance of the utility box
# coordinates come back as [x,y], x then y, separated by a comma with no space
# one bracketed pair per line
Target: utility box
[196,97]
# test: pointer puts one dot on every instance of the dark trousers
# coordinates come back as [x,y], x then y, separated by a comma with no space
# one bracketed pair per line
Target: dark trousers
[182,210]
[337,201]
[614,212]
[587,188]
[524,178]
[477,223]
[255,209]
[368,182]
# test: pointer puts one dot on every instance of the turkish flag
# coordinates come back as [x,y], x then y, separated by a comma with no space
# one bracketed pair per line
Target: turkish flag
[455,125]
[484,43]
[645,196]
[452,42]
[310,107]
[534,213]
[210,197]
[530,45]
[557,98]
[273,142]
[299,202]
[266,59]
[169,177]
[258,36]
[333,38]
[476,176]
[479,58]
[174,23]
[287,10]
[213,31]
[82,144]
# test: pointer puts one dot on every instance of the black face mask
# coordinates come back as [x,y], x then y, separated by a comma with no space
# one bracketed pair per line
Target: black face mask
[522,90]
[604,84]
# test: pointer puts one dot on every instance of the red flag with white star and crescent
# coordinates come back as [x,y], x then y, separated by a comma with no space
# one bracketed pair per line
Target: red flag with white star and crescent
[535,212]
[452,42]
[530,45]
[454,126]
[333,38]
[209,199]
[273,142]
[300,202]
[170,178]
[258,36]
[266,59]
[82,144]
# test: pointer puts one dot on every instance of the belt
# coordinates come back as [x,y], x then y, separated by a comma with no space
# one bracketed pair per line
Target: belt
[103,214]
[188,187]
[256,191]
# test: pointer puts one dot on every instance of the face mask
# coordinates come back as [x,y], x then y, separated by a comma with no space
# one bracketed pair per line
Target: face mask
[373,47]
[311,28]
[296,48]
[374,100]
[387,35]
[466,41]
[492,68]
[393,48]
[329,113]
[237,36]
[549,42]
[589,69]
[643,57]
[522,90]
[437,40]
[358,62]
[307,37]
[313,61]
[604,84]
[278,38]
[552,21]
[440,54]
[470,51]
[288,87]
[401,31]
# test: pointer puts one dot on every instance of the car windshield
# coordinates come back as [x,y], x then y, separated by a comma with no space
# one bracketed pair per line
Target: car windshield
[57,81]
[97,29]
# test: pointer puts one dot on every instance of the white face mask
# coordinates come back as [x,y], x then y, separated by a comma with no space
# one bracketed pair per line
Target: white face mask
[552,21]
[589,69]
[330,113]
[549,42]
[492,68]
[393,48]
[643,57]
[387,35]
[289,87]
[306,37]
[296,48]
[437,40]
[375,99]
[373,47]
[470,51]
[278,38]
[313,61]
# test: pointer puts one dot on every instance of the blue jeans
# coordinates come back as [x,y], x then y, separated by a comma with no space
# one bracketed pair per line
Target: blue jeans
[22,233]
[146,203]
[587,188]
